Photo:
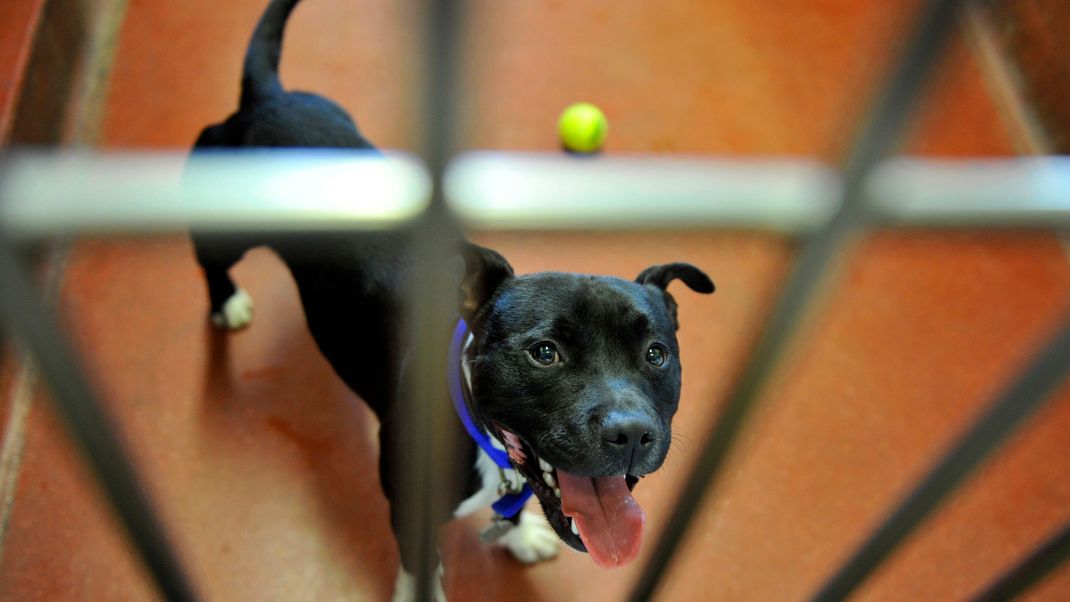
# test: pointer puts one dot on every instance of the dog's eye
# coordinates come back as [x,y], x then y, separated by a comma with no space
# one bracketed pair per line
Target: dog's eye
[545,353]
[657,354]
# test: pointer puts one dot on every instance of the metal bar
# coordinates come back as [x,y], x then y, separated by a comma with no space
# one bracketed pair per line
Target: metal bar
[431,452]
[1033,568]
[534,191]
[531,191]
[72,193]
[25,318]
[1032,191]
[1019,401]
[75,192]
[877,137]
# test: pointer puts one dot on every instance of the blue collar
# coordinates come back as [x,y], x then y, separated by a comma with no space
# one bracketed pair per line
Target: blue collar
[510,504]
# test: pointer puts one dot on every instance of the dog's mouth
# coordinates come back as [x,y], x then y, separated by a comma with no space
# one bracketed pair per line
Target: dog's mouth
[597,515]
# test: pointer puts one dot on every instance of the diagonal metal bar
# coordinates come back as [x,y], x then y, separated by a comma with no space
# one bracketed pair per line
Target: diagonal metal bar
[24,317]
[1033,568]
[1019,401]
[877,137]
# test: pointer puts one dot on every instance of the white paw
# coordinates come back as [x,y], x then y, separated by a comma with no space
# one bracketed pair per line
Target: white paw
[237,312]
[405,587]
[533,540]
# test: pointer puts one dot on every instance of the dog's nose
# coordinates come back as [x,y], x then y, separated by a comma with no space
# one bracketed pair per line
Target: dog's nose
[630,435]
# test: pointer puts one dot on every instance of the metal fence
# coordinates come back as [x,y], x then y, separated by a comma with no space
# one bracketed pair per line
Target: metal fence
[46,195]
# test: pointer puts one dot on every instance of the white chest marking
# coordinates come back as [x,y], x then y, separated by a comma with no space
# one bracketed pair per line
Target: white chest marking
[489,473]
[491,478]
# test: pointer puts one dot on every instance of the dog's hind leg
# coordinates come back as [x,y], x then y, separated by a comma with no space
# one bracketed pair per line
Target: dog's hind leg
[231,307]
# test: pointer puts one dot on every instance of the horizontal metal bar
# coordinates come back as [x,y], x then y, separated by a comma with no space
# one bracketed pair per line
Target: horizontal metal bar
[1026,192]
[531,191]
[1009,410]
[81,193]
[44,194]
[1033,568]
[543,191]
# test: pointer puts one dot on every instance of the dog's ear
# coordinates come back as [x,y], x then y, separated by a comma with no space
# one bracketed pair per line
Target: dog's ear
[484,271]
[661,275]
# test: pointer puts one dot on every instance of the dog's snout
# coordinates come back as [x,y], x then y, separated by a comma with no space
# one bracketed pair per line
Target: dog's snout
[628,430]
[630,436]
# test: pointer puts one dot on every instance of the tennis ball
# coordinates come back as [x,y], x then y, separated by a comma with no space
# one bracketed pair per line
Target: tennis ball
[582,128]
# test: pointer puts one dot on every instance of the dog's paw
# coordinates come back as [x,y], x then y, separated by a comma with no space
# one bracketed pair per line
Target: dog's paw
[237,312]
[531,541]
[405,587]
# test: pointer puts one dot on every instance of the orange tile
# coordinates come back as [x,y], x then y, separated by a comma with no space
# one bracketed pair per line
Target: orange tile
[179,65]
[957,115]
[687,77]
[62,543]
[923,330]
[250,487]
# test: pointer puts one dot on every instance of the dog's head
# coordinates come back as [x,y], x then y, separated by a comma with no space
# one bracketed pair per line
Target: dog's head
[579,377]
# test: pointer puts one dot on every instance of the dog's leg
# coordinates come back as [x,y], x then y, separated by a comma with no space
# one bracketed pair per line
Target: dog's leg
[236,313]
[231,307]
[405,586]
[532,540]
[393,439]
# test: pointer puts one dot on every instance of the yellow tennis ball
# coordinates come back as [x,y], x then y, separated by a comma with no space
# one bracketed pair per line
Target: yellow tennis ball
[582,128]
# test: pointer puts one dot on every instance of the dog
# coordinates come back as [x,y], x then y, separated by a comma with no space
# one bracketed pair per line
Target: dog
[566,383]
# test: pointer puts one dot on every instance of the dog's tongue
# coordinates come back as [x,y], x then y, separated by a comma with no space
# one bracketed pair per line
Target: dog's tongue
[610,521]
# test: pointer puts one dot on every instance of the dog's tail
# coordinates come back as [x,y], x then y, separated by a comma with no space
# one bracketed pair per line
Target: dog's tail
[260,76]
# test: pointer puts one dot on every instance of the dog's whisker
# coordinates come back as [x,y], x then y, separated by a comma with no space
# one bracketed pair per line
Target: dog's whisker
[677,446]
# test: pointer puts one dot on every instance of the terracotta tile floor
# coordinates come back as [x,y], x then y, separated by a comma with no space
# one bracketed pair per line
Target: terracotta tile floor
[263,464]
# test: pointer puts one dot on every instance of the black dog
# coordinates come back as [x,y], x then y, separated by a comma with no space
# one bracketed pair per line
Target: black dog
[571,381]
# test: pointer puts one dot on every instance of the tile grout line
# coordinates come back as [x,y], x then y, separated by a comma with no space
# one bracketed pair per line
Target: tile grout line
[21,400]
[82,128]
[1005,88]
[14,439]
[83,124]
[1003,84]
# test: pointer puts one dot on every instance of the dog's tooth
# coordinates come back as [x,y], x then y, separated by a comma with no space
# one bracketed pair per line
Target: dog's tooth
[549,478]
[575,529]
[545,466]
[557,491]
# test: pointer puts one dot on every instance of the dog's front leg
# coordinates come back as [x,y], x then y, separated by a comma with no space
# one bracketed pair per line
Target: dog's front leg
[405,586]
[393,442]
[531,540]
